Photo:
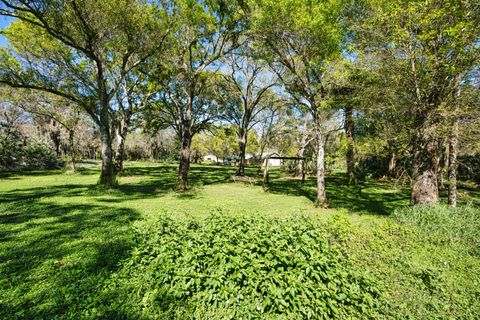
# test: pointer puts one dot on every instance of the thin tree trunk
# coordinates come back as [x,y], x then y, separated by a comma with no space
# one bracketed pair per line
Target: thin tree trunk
[424,173]
[321,194]
[349,126]
[122,131]
[392,164]
[55,136]
[242,146]
[442,163]
[303,144]
[453,166]
[73,152]
[453,149]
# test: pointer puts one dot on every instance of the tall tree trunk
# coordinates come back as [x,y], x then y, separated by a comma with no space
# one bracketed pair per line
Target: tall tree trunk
[321,199]
[186,140]
[108,175]
[424,173]
[349,126]
[453,166]
[243,147]
[182,181]
[453,149]
[442,163]
[121,131]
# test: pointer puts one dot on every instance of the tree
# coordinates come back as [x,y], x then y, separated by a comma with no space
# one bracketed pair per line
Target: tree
[80,50]
[303,142]
[421,47]
[134,94]
[60,111]
[204,31]
[298,39]
[245,96]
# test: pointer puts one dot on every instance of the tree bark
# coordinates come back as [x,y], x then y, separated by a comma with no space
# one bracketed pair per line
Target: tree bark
[321,199]
[73,151]
[182,181]
[350,147]
[299,170]
[424,173]
[242,146]
[186,140]
[392,164]
[453,149]
[442,163]
[122,131]
[453,166]
[55,136]
[108,175]
[300,163]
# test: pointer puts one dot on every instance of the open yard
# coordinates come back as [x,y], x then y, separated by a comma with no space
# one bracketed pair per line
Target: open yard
[69,250]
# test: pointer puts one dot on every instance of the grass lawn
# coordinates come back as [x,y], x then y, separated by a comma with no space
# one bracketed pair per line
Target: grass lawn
[65,245]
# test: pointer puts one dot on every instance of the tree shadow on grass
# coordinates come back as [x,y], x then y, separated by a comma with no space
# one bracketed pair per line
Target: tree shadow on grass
[365,197]
[162,178]
[15,174]
[55,258]
[373,197]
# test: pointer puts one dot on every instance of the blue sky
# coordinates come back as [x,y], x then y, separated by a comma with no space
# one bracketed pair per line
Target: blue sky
[4,21]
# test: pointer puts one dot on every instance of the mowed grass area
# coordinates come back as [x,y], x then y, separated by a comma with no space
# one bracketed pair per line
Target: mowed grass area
[63,241]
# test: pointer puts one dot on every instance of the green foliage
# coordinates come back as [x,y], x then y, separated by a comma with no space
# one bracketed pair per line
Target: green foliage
[39,155]
[18,152]
[249,267]
[469,168]
[460,224]
[423,274]
[11,145]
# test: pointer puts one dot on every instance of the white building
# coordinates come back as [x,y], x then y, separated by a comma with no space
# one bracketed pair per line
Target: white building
[212,158]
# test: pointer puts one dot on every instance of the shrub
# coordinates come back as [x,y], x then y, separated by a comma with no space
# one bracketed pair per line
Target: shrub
[39,155]
[11,149]
[17,152]
[238,267]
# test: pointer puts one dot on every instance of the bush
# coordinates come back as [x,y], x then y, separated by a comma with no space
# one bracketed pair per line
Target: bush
[17,152]
[11,149]
[39,155]
[453,224]
[252,267]
[372,167]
